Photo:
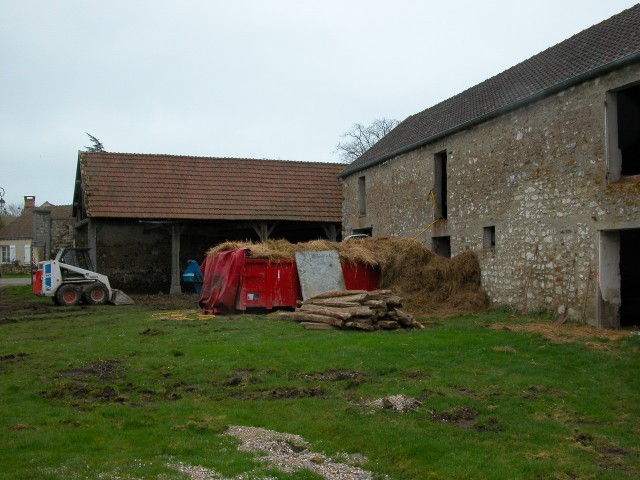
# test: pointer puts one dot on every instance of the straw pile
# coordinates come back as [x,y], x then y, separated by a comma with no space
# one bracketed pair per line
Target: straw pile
[429,284]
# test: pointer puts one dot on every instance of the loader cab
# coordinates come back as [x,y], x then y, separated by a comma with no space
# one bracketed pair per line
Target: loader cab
[76,257]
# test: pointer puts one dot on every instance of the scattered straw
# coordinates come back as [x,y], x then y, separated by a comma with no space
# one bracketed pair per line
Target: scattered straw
[183,315]
[569,333]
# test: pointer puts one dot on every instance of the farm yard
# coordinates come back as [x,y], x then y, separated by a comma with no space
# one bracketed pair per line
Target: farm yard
[157,390]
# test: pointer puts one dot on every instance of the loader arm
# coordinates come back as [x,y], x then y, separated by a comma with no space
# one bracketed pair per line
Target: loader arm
[72,274]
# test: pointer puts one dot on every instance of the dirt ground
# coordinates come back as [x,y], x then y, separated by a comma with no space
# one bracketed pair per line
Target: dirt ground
[570,332]
[186,300]
[19,309]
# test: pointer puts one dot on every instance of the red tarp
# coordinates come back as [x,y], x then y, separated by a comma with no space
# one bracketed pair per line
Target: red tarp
[222,273]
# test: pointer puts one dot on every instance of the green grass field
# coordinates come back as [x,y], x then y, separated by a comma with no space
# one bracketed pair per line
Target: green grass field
[130,392]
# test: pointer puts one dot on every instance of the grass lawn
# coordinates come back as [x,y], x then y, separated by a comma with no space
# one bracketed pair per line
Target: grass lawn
[15,275]
[130,392]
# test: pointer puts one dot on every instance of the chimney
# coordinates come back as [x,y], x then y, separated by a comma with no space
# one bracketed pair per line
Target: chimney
[29,201]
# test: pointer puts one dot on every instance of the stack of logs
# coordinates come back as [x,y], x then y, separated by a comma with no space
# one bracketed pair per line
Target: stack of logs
[355,309]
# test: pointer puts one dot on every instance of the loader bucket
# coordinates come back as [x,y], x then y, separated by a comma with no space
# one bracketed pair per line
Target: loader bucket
[120,298]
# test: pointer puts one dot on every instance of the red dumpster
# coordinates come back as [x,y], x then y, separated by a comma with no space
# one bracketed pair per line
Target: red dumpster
[360,276]
[233,280]
[268,284]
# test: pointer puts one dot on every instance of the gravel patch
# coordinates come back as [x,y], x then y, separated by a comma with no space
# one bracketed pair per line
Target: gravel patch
[290,453]
[196,472]
[287,452]
[397,403]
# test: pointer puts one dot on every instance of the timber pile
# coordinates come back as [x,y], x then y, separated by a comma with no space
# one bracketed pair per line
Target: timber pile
[352,309]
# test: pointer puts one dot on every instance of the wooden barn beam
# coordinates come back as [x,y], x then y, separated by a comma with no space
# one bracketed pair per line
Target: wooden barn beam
[330,231]
[263,230]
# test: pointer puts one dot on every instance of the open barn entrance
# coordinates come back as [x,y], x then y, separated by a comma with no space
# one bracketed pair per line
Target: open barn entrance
[630,278]
[619,302]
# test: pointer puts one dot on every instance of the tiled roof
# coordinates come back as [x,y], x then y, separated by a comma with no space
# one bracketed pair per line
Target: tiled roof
[591,52]
[22,226]
[123,185]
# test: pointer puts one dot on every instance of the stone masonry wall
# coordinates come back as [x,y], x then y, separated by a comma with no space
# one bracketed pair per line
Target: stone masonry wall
[135,257]
[538,175]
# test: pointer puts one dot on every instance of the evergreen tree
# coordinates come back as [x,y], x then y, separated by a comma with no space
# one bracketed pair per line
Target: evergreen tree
[97,144]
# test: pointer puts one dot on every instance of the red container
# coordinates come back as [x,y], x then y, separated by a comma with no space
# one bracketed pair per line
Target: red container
[268,284]
[360,276]
[235,281]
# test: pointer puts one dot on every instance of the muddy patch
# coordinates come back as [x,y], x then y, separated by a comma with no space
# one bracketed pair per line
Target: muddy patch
[485,392]
[242,378]
[417,375]
[104,381]
[83,394]
[608,454]
[350,378]
[102,370]
[152,332]
[162,301]
[535,392]
[13,357]
[282,393]
[464,417]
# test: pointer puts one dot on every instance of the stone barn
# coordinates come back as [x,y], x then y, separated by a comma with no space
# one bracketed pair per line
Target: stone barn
[536,169]
[144,216]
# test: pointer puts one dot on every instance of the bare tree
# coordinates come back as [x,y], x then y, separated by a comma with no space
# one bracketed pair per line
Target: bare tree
[360,138]
[14,209]
[97,145]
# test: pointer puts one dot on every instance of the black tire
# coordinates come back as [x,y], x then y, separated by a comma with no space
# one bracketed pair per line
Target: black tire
[96,294]
[68,295]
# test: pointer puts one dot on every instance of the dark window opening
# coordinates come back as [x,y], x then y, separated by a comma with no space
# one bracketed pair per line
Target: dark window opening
[629,130]
[363,231]
[623,134]
[489,238]
[441,246]
[440,184]
[630,278]
[362,195]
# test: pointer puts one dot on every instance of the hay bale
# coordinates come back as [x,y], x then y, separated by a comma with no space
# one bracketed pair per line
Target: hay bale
[465,269]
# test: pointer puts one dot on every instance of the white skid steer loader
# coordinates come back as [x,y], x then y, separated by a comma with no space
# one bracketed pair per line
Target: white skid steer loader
[70,279]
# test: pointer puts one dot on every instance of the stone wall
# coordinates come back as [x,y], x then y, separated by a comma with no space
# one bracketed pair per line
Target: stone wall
[135,257]
[50,234]
[538,175]
[62,233]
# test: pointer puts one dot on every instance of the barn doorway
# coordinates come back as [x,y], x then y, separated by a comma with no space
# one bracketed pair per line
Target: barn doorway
[630,278]
[619,302]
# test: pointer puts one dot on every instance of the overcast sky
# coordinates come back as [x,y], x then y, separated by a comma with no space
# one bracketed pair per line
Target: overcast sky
[277,79]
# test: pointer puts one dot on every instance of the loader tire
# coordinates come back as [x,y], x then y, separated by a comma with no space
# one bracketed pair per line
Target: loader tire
[96,294]
[68,295]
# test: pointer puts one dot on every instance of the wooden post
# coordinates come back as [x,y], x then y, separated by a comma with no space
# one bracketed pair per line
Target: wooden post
[263,230]
[330,231]
[92,242]
[176,230]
